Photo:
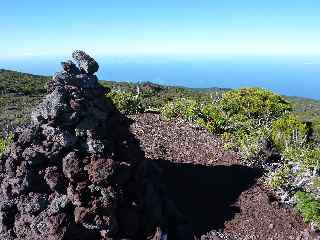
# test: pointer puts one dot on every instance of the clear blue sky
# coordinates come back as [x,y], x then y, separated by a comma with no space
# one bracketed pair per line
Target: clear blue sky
[39,27]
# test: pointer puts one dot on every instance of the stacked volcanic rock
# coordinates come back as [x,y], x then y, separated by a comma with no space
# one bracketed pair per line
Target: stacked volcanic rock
[76,172]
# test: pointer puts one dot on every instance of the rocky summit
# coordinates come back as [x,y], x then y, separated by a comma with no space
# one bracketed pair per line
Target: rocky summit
[76,172]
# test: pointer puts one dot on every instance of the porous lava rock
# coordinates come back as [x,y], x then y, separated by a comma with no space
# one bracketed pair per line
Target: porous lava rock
[85,62]
[77,173]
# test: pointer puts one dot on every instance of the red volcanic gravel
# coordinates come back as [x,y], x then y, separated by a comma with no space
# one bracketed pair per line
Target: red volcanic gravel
[222,197]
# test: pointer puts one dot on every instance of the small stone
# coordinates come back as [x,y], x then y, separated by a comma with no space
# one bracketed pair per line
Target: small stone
[100,170]
[49,132]
[54,178]
[50,227]
[65,139]
[10,166]
[94,145]
[71,166]
[22,226]
[34,156]
[75,105]
[79,193]
[26,136]
[70,67]
[85,62]
[50,108]
[59,203]
[33,204]
[80,214]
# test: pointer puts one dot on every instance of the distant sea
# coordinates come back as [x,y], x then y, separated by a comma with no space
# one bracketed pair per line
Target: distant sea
[292,76]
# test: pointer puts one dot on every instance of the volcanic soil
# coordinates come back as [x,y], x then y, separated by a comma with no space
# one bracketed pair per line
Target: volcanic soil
[211,186]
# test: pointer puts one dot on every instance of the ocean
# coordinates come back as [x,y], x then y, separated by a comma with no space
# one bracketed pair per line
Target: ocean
[292,76]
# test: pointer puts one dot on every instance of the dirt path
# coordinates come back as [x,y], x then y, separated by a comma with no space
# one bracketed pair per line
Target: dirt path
[211,186]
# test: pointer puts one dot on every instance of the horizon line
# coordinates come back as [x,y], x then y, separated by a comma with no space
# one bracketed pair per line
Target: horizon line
[168,54]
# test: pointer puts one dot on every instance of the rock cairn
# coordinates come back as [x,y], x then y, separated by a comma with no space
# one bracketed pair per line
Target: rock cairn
[77,173]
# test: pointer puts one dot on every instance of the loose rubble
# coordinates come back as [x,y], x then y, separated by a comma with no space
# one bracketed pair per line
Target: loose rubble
[76,172]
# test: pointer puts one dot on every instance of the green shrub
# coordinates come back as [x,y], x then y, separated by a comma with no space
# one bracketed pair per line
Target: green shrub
[2,146]
[212,119]
[240,124]
[289,131]
[183,108]
[126,102]
[249,113]
[254,103]
[316,130]
[252,143]
[309,207]
[280,177]
[316,183]
[169,111]
[306,157]
[4,143]
[207,116]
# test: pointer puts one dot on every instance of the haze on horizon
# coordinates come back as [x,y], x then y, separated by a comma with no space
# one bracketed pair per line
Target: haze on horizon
[35,28]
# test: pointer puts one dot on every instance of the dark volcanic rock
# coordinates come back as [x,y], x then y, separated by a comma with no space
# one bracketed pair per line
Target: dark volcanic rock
[85,62]
[71,166]
[77,172]
[70,67]
[52,106]
[54,178]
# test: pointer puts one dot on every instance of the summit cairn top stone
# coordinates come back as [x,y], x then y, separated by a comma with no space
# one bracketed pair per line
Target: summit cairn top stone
[85,62]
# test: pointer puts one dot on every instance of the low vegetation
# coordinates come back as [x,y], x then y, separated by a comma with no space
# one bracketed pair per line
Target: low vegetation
[309,208]
[126,102]
[12,82]
[153,96]
[289,131]
[4,143]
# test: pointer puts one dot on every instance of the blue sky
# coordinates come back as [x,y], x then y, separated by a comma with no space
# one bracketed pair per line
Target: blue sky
[124,27]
